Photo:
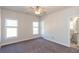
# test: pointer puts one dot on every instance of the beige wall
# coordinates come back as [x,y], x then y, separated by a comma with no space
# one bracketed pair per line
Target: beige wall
[0,26]
[56,25]
[24,26]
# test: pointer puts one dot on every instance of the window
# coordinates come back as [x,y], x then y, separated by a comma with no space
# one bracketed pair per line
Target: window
[11,28]
[35,27]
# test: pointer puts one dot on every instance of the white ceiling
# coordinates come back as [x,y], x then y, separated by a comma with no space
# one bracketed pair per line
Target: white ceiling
[29,10]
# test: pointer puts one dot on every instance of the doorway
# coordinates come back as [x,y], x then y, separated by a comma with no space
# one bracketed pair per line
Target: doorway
[74,32]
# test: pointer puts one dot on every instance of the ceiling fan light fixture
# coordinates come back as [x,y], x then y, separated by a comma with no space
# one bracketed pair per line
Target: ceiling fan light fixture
[38,10]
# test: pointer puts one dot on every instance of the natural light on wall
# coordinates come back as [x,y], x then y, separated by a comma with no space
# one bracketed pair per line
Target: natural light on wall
[35,28]
[11,28]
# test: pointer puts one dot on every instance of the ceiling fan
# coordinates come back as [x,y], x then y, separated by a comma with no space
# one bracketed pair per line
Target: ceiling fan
[39,10]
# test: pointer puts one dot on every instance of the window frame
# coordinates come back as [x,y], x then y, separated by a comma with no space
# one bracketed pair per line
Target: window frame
[11,27]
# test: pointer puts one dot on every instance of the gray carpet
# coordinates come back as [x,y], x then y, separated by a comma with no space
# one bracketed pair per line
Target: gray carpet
[37,46]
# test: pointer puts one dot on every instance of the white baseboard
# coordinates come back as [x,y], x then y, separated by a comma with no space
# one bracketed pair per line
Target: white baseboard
[56,42]
[16,41]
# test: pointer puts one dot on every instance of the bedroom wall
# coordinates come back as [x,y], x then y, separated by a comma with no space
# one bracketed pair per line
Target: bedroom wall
[25,31]
[0,26]
[55,26]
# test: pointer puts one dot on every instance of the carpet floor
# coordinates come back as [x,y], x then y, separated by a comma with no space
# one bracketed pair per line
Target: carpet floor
[37,46]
